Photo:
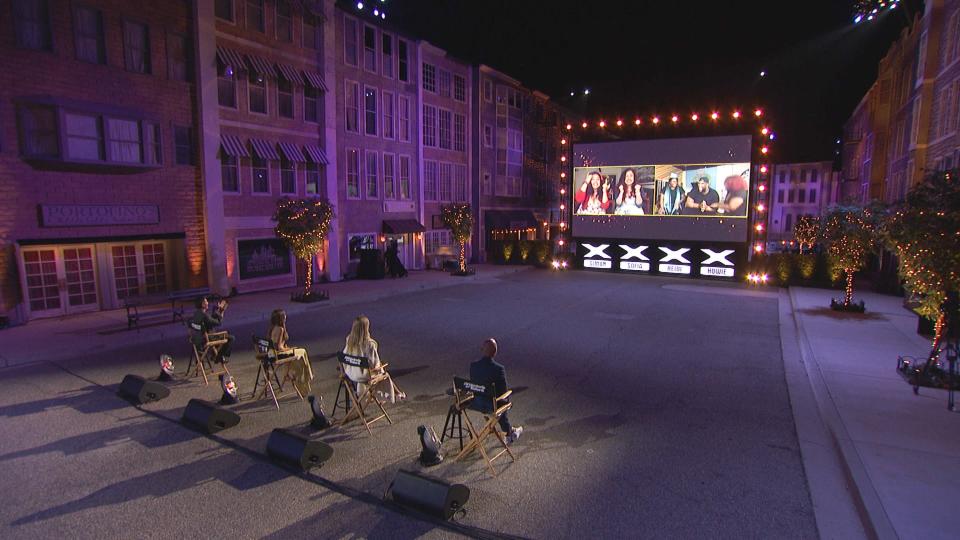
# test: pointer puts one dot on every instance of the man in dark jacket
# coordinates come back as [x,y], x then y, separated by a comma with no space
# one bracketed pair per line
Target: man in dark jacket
[490,373]
[207,322]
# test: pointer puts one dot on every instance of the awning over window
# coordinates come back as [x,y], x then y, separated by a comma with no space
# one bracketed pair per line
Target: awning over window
[316,154]
[292,152]
[402,226]
[315,80]
[509,219]
[290,74]
[231,58]
[261,66]
[232,146]
[264,149]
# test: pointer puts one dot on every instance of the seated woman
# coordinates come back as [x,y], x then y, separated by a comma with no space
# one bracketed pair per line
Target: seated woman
[736,187]
[302,371]
[360,343]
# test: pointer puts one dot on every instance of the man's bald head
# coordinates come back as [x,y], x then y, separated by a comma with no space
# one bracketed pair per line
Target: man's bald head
[489,347]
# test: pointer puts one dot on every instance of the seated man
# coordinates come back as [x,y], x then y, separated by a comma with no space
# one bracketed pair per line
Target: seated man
[488,372]
[208,322]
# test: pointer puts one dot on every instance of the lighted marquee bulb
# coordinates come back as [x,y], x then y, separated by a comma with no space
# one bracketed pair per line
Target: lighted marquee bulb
[674,119]
[636,122]
[563,207]
[563,175]
[619,122]
[563,224]
[758,113]
[583,125]
[763,169]
[602,124]
[694,117]
[758,248]
[714,115]
[764,150]
[759,227]
[569,127]
[564,158]
[764,131]
[761,188]
[563,141]
[736,114]
[560,242]
[761,207]
[359,5]
[656,120]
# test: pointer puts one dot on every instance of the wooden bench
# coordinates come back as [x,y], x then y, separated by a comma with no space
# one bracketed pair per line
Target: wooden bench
[178,304]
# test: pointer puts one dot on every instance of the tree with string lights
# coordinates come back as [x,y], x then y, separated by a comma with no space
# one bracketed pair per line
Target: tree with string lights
[924,233]
[849,234]
[303,224]
[806,231]
[458,217]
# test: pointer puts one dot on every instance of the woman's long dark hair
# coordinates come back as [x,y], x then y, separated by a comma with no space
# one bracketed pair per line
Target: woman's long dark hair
[590,191]
[630,189]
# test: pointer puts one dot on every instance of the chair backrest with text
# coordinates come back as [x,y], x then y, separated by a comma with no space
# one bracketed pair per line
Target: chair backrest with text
[464,386]
[265,348]
[353,361]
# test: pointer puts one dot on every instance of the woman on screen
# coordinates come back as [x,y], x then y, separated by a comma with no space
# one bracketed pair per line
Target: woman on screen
[593,197]
[629,198]
[672,197]
[734,202]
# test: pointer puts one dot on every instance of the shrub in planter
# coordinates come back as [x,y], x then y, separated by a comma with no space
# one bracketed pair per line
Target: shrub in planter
[507,251]
[524,247]
[784,268]
[852,307]
[806,266]
[541,252]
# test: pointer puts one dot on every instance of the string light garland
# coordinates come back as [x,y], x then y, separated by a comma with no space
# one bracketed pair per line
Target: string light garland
[458,217]
[303,225]
[868,10]
[849,234]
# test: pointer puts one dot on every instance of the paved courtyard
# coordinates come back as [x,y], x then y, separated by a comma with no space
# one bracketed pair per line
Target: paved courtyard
[652,408]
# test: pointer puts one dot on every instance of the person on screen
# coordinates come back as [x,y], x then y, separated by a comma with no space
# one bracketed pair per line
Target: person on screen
[704,199]
[734,202]
[593,197]
[629,198]
[671,201]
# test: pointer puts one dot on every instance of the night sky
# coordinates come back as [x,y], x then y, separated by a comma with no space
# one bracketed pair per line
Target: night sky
[646,57]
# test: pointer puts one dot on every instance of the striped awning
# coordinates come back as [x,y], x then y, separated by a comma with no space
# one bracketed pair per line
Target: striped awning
[292,152]
[316,154]
[316,80]
[231,58]
[261,66]
[264,149]
[232,146]
[290,74]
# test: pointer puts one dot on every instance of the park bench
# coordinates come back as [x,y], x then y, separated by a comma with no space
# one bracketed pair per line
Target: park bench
[140,308]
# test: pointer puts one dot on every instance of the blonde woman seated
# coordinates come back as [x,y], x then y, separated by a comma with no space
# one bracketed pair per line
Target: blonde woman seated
[301,369]
[359,343]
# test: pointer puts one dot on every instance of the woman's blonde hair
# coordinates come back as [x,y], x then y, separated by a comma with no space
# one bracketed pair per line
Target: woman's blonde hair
[359,335]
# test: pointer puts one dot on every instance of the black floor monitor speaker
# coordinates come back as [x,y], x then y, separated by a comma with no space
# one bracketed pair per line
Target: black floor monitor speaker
[208,417]
[136,389]
[429,495]
[297,450]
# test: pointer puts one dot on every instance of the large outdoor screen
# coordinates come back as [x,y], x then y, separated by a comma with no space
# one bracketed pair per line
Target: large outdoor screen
[671,189]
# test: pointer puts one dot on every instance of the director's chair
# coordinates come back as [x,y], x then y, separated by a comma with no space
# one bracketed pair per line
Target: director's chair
[206,348]
[270,359]
[465,392]
[354,400]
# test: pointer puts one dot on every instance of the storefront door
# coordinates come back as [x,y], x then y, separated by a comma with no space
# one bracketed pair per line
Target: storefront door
[139,269]
[60,280]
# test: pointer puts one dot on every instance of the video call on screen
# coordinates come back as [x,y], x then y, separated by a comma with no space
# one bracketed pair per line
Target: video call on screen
[694,189]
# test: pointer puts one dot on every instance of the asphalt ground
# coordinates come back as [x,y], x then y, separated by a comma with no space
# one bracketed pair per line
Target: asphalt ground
[652,407]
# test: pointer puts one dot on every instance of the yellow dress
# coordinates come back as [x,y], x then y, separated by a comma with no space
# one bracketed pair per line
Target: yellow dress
[302,371]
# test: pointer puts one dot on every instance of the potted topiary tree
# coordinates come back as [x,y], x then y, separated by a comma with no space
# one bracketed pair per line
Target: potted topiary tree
[458,217]
[849,234]
[303,225]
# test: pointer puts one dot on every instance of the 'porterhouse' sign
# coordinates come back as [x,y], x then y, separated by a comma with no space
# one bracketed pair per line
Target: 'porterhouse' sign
[90,215]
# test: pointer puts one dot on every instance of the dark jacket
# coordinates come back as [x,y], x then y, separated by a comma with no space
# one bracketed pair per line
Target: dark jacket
[486,371]
[206,321]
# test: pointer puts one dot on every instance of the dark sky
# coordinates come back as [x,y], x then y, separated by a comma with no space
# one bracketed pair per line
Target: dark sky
[646,57]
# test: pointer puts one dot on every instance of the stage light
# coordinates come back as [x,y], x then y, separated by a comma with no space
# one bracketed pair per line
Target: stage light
[763,73]
[572,94]
[656,120]
[764,150]
[764,131]
[858,19]
[763,169]
[359,5]
[758,113]
[736,115]
[602,124]
[674,119]
[383,15]
[619,122]
[695,117]
[166,368]
[773,136]
[636,122]
[556,264]
[764,278]
[229,388]
[714,116]
[583,125]
[376,13]
[563,264]
[586,91]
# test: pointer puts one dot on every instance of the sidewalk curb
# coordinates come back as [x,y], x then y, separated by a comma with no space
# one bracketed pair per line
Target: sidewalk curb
[874,517]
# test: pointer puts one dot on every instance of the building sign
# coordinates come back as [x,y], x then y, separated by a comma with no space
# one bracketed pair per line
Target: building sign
[263,257]
[390,207]
[92,215]
[694,259]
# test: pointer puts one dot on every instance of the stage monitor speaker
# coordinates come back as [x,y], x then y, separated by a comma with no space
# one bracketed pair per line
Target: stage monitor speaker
[137,390]
[208,417]
[429,495]
[297,450]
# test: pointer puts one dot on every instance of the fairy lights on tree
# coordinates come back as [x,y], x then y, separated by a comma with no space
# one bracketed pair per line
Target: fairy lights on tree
[806,231]
[303,224]
[849,234]
[458,218]
[868,10]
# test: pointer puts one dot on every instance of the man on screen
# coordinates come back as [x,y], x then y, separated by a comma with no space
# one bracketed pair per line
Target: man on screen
[672,197]
[702,200]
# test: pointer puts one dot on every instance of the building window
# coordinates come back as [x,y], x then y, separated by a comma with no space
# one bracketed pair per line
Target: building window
[429,78]
[388,116]
[257,93]
[284,98]
[179,67]
[152,151]
[226,86]
[223,9]
[370,111]
[31,24]
[445,129]
[136,47]
[459,88]
[387,50]
[429,125]
[288,176]
[40,133]
[788,224]
[88,33]
[84,137]
[813,196]
[488,90]
[311,31]
[813,176]
[255,19]
[261,174]
[312,173]
[403,63]
[352,104]
[430,180]
[311,97]
[487,185]
[791,195]
[404,119]
[802,196]
[460,133]
[373,180]
[780,196]
[183,145]
[389,177]
[370,49]
[358,242]
[488,136]
[229,175]
[460,183]
[350,41]
[405,177]
[284,21]
[444,83]
[353,173]
[446,177]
